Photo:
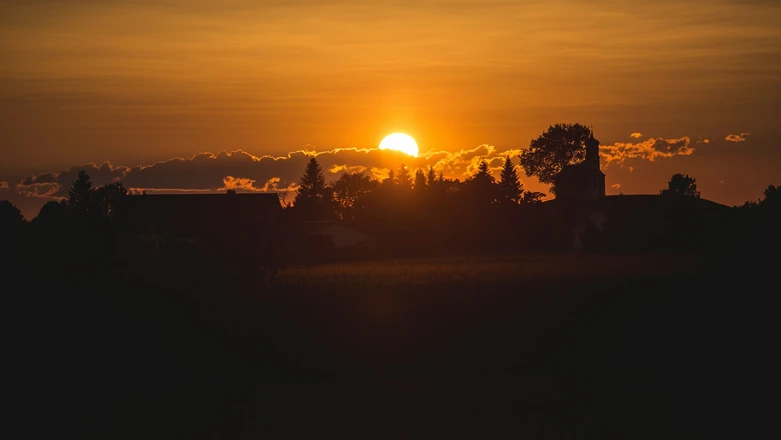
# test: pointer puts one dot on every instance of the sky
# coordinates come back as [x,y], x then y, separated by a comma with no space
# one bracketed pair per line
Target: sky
[203,95]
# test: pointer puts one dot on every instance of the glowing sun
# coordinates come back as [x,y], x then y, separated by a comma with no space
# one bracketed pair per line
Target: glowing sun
[400,142]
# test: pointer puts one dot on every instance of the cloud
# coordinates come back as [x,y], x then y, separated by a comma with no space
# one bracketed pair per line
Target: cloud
[57,184]
[703,141]
[238,184]
[379,173]
[42,178]
[650,150]
[4,184]
[38,190]
[737,137]
[243,171]
[139,191]
[616,185]
[337,169]
[636,135]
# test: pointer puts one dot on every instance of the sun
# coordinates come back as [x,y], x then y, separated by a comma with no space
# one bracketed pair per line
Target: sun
[400,142]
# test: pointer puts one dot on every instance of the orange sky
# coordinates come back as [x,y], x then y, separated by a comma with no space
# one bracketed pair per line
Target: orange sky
[136,82]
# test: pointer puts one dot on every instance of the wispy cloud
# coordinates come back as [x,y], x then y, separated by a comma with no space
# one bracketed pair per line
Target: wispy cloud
[616,185]
[650,150]
[337,169]
[737,137]
[636,135]
[242,183]
[38,190]
[4,184]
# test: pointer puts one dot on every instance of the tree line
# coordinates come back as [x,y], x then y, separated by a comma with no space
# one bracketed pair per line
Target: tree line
[347,197]
[561,144]
[407,208]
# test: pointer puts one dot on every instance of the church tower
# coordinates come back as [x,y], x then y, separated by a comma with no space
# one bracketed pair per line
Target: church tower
[583,181]
[595,182]
[592,153]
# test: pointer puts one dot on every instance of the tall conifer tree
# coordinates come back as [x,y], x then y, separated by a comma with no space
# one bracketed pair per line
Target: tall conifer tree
[510,188]
[404,177]
[80,193]
[312,195]
[420,180]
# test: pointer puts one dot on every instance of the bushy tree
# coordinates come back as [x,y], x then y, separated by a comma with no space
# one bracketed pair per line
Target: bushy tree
[772,197]
[111,201]
[530,197]
[510,189]
[11,217]
[10,213]
[51,215]
[12,227]
[681,185]
[349,190]
[559,145]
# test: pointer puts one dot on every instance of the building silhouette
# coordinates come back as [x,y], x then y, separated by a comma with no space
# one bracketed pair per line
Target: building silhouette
[582,181]
[245,223]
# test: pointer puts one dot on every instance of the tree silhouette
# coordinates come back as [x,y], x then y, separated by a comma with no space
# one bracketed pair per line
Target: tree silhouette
[559,145]
[12,227]
[681,185]
[390,180]
[772,197]
[483,173]
[10,216]
[80,194]
[311,195]
[51,215]
[530,197]
[510,189]
[431,175]
[349,190]
[404,177]
[110,201]
[481,187]
[420,180]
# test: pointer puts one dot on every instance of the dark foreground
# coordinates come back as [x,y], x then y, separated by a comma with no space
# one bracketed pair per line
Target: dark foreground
[678,348]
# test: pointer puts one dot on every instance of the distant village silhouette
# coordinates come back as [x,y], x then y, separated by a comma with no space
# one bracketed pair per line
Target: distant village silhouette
[407,214]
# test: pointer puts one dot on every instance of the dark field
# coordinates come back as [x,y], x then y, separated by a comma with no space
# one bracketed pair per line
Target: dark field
[535,346]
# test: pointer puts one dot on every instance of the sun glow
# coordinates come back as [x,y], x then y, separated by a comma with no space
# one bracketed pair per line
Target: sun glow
[400,142]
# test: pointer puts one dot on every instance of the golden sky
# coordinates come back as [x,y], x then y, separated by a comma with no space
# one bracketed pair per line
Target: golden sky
[136,82]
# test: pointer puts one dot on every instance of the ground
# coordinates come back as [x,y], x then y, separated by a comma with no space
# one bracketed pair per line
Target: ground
[537,345]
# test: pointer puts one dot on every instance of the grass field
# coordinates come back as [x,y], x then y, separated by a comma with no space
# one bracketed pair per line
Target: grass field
[500,269]
[532,345]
